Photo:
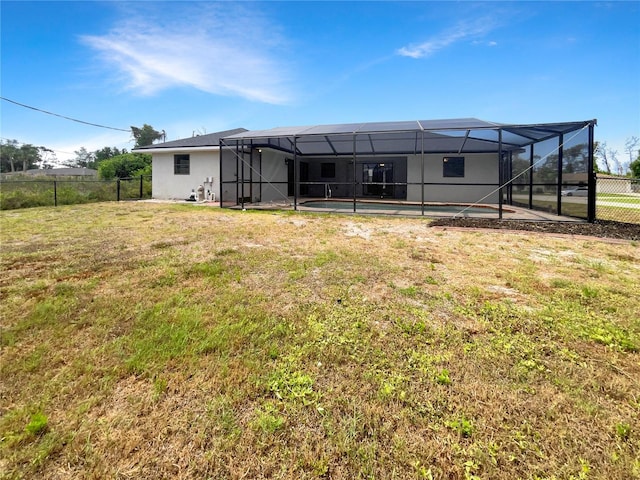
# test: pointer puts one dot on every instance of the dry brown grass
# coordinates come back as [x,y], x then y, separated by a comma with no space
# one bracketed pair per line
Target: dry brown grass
[167,341]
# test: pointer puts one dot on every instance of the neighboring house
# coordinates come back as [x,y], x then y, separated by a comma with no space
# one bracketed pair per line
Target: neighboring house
[614,184]
[58,172]
[180,166]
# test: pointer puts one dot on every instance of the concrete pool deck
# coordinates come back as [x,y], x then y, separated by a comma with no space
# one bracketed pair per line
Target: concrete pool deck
[400,208]
[510,212]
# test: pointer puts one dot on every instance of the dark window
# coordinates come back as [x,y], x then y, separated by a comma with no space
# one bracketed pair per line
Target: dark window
[328,170]
[453,167]
[181,164]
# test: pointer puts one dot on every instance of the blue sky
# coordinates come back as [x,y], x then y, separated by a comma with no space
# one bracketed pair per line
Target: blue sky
[187,67]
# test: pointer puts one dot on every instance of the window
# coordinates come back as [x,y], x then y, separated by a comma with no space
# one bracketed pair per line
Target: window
[453,167]
[181,164]
[328,170]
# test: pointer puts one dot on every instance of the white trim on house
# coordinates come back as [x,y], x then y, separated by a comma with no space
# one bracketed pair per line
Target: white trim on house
[179,149]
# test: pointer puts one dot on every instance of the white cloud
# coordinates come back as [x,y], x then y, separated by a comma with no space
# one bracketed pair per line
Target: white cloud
[461,31]
[216,53]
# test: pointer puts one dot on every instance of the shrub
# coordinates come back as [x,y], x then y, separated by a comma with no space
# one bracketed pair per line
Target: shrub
[124,166]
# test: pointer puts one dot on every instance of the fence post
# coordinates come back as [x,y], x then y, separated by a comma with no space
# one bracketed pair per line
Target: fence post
[55,193]
[118,190]
[141,187]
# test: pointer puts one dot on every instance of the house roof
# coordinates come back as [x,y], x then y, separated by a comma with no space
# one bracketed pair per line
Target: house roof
[462,135]
[208,140]
[607,176]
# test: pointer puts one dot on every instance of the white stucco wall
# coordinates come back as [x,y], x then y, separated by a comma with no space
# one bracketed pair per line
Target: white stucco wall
[166,185]
[274,176]
[478,168]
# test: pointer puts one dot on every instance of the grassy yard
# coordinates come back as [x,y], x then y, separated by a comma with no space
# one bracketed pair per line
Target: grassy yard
[167,341]
[617,197]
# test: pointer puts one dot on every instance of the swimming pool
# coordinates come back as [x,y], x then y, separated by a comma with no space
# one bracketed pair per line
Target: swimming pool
[429,209]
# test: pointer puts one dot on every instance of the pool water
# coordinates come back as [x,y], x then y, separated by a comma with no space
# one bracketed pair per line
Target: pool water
[428,208]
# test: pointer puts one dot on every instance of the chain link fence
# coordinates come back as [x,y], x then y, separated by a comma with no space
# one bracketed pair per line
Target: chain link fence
[25,193]
[618,198]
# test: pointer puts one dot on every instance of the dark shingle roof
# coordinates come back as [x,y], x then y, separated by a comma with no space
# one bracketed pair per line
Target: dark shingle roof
[208,140]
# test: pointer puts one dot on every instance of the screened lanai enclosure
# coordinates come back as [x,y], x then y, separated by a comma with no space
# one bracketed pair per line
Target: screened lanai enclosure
[457,166]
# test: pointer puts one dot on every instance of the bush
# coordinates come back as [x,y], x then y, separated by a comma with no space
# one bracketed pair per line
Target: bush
[125,166]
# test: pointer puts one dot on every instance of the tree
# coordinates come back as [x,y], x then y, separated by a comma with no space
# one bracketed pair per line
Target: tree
[126,165]
[609,156]
[635,166]
[13,156]
[106,153]
[8,155]
[146,135]
[84,159]
[47,158]
[601,152]
[575,159]
[630,146]
[620,170]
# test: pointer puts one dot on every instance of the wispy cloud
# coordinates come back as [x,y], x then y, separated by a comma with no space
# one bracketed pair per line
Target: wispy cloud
[211,50]
[465,30]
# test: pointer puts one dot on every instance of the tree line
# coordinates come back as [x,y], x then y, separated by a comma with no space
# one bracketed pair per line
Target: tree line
[110,162]
[608,160]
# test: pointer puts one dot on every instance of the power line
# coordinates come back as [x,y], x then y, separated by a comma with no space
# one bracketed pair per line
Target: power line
[62,116]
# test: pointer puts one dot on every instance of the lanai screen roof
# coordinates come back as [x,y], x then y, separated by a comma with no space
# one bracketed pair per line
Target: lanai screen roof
[462,135]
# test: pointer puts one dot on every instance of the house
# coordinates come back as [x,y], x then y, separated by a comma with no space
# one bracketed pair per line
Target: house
[462,161]
[617,184]
[181,166]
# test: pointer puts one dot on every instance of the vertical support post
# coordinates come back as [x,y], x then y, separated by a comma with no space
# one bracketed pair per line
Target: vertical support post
[500,173]
[559,181]
[141,177]
[260,173]
[295,173]
[531,176]
[354,173]
[422,171]
[251,174]
[510,188]
[220,150]
[55,193]
[118,190]
[591,199]
[242,177]
[237,172]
